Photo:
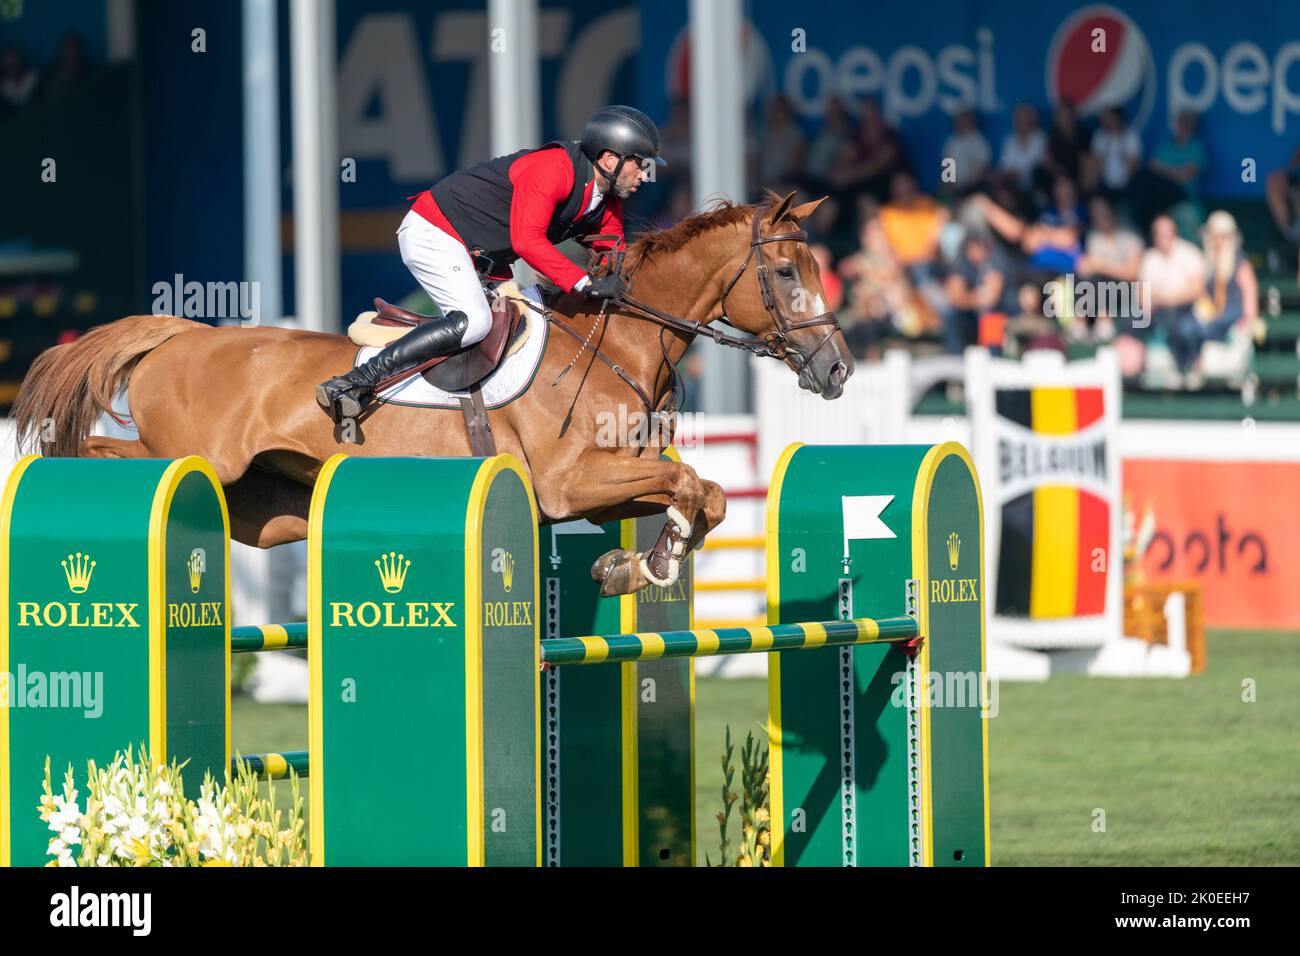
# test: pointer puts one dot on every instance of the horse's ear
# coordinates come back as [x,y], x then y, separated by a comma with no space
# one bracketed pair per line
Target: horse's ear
[800,213]
[781,209]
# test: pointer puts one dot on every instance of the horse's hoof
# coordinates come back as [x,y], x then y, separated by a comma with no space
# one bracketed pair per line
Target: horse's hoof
[618,572]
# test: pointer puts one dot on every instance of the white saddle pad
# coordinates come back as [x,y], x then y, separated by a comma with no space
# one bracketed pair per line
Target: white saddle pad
[504,385]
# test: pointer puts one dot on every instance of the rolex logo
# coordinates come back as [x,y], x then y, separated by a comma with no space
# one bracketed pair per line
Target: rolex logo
[78,568]
[502,562]
[196,565]
[392,571]
[954,550]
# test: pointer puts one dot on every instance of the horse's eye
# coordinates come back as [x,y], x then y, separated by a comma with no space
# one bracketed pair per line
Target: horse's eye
[785,272]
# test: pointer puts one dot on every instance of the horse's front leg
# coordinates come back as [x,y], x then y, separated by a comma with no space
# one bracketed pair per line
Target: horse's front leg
[604,486]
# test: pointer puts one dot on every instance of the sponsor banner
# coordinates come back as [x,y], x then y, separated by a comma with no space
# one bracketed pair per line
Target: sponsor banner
[1052,488]
[1232,62]
[1230,526]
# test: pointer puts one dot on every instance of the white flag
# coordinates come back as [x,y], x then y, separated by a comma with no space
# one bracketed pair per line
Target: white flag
[862,518]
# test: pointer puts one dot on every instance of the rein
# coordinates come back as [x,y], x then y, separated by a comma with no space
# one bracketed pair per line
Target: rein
[775,344]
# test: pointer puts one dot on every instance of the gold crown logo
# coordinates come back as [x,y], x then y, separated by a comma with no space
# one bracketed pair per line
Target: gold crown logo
[196,565]
[77,569]
[954,550]
[508,571]
[392,571]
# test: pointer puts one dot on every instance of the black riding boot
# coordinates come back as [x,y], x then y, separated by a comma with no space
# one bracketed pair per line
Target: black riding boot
[345,396]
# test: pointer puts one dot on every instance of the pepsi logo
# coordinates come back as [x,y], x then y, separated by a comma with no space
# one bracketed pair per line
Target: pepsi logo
[1122,74]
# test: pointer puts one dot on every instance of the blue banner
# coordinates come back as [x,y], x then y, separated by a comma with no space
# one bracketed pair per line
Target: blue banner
[1236,63]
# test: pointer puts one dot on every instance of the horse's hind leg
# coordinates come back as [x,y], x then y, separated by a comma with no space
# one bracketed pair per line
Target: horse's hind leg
[266,509]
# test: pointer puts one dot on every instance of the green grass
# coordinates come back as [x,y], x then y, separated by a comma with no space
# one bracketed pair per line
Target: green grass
[1187,774]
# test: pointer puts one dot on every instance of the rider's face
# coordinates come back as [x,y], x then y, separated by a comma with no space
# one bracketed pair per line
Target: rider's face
[634,172]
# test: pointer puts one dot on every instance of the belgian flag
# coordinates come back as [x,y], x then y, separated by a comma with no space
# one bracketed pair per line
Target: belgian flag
[1053,557]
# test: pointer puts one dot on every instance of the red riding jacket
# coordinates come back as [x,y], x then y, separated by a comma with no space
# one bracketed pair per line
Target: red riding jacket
[519,206]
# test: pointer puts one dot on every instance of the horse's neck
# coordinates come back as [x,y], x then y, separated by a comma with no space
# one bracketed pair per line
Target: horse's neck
[681,284]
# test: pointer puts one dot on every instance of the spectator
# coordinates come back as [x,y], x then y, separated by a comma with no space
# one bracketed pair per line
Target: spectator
[1111,251]
[912,222]
[780,150]
[869,159]
[1069,144]
[1173,274]
[676,209]
[18,82]
[1284,198]
[1025,148]
[676,140]
[69,70]
[1117,151]
[1111,254]
[826,146]
[1174,174]
[879,293]
[977,285]
[832,284]
[970,153]
[1050,244]
[1232,290]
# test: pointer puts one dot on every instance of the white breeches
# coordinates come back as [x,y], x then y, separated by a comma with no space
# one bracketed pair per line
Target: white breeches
[444,269]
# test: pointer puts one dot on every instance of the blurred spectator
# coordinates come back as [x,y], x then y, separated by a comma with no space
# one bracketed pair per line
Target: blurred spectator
[975,286]
[1111,254]
[879,293]
[826,146]
[69,70]
[1052,243]
[1173,175]
[1118,153]
[675,136]
[780,147]
[1284,198]
[912,222]
[18,82]
[1024,149]
[969,150]
[1068,145]
[1232,290]
[1173,273]
[677,208]
[832,284]
[870,157]
[1111,251]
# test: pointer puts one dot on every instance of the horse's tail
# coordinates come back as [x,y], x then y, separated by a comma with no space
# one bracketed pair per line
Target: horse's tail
[69,386]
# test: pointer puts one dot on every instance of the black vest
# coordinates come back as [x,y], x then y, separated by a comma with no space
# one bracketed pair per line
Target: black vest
[476,201]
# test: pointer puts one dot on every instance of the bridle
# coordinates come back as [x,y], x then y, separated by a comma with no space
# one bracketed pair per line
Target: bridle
[775,344]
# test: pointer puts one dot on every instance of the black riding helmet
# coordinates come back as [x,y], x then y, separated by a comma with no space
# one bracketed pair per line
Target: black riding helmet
[623,131]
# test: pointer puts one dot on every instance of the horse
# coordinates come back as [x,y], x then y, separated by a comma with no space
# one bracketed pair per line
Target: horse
[243,397]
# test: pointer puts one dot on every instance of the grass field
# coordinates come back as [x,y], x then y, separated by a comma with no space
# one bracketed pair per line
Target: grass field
[1185,772]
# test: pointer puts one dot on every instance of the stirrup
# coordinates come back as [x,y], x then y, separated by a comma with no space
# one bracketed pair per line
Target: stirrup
[349,398]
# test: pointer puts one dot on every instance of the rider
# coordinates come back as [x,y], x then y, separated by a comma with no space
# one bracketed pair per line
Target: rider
[512,207]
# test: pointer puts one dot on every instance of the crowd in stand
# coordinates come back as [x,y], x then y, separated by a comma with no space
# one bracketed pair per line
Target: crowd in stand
[1062,234]
[23,85]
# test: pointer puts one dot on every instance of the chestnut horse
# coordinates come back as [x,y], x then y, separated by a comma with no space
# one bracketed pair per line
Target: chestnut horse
[243,398]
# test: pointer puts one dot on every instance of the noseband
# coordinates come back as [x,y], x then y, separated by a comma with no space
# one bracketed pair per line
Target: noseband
[776,343]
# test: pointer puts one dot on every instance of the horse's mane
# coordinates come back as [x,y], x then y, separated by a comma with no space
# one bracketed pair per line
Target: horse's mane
[723,212]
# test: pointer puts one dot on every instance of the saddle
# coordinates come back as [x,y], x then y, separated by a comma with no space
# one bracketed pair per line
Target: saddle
[456,371]
[462,371]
